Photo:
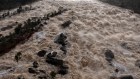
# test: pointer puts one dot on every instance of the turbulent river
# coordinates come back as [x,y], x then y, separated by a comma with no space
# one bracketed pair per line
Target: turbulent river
[95,27]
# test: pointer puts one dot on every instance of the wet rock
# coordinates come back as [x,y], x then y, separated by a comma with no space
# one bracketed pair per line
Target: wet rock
[137,63]
[61,39]
[35,64]
[109,55]
[63,71]
[126,77]
[52,54]
[55,62]
[126,46]
[66,24]
[41,53]
[18,56]
[32,70]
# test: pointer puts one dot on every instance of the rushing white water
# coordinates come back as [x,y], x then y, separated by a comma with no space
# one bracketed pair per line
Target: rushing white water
[95,27]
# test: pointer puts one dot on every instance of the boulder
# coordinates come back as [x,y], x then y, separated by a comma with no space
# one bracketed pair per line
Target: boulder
[41,53]
[55,62]
[109,55]
[61,39]
[35,64]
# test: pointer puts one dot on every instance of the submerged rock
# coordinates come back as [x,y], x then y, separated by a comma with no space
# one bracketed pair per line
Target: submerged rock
[66,24]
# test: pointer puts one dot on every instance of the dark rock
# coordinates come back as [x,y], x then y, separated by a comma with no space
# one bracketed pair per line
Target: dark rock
[35,64]
[66,24]
[109,55]
[19,9]
[1,35]
[61,39]
[126,77]
[41,53]
[116,70]
[18,56]
[63,71]
[137,63]
[32,70]
[53,54]
[56,62]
